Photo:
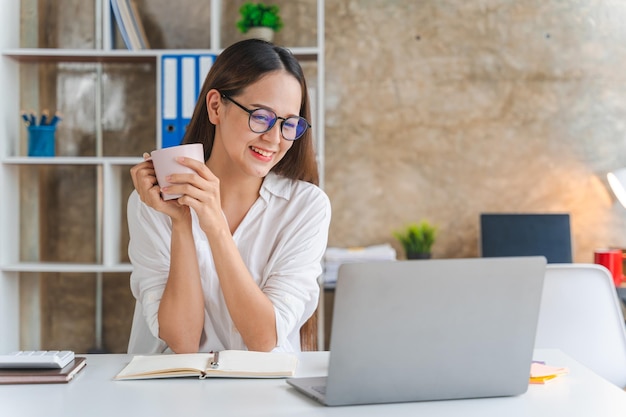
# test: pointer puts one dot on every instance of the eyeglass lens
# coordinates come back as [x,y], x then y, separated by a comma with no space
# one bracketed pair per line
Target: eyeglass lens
[292,128]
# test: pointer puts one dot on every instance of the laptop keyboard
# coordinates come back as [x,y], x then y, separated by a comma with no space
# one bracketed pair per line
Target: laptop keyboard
[319,388]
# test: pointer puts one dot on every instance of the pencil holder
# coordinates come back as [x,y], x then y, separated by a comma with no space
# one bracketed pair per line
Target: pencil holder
[41,140]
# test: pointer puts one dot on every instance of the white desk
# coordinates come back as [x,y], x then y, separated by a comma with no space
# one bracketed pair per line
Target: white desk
[93,394]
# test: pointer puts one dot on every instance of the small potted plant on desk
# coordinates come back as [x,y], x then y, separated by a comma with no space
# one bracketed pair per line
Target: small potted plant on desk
[417,239]
[259,20]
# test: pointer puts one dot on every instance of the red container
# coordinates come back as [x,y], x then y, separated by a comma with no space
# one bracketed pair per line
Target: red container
[612,259]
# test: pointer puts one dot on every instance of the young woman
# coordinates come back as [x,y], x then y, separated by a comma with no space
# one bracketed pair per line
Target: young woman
[234,262]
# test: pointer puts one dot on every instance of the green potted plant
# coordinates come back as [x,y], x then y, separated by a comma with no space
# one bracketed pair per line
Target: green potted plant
[417,239]
[259,20]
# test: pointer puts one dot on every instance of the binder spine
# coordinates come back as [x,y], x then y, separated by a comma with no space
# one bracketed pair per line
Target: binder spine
[170,112]
[188,91]
[205,62]
[182,80]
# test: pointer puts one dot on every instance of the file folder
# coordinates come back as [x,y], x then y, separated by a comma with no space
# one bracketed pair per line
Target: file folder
[205,62]
[189,90]
[182,79]
[170,130]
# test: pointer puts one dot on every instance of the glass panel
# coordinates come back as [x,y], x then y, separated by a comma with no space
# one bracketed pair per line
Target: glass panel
[118,306]
[310,73]
[63,199]
[129,109]
[75,96]
[68,311]
[58,24]
[68,88]
[181,24]
[128,106]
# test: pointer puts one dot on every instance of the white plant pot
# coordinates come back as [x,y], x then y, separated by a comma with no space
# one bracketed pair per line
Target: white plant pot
[260,32]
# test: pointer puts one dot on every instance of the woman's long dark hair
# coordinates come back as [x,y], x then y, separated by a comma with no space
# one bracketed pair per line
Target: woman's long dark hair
[238,66]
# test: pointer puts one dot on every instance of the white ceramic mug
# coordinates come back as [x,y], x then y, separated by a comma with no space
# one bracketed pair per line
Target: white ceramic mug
[165,164]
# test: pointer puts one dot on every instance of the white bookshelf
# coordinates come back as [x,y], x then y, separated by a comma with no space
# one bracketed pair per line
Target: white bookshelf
[13,271]
[119,55]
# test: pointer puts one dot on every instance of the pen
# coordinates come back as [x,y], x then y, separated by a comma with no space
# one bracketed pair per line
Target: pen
[25,117]
[215,361]
[44,118]
[55,119]
[33,119]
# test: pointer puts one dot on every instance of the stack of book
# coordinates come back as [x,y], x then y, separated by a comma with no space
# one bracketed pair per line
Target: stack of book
[43,375]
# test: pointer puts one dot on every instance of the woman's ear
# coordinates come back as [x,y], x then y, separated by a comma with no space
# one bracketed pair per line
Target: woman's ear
[214,106]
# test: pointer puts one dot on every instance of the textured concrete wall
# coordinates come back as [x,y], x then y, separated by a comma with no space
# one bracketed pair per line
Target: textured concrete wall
[435,109]
[445,109]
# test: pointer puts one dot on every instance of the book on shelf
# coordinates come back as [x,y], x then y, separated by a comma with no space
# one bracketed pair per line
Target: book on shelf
[43,376]
[225,364]
[138,25]
[129,24]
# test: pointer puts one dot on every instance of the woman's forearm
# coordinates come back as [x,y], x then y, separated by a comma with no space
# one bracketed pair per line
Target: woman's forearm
[251,310]
[181,311]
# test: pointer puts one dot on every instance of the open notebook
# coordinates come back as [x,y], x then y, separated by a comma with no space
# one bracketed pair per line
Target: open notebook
[226,363]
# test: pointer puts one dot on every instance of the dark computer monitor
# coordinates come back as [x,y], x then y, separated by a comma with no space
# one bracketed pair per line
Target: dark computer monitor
[504,234]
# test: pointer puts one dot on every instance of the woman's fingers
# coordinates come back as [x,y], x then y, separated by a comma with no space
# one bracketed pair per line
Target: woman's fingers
[198,166]
[145,182]
[143,173]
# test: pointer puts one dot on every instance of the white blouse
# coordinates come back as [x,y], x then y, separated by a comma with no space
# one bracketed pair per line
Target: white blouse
[281,239]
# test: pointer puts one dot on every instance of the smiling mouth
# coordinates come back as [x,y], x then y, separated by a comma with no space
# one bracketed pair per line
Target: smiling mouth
[262,152]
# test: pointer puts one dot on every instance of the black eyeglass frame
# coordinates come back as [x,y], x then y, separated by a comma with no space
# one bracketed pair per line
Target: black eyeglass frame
[273,123]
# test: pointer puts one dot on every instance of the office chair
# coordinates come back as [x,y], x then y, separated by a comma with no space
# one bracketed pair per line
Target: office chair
[308,333]
[581,316]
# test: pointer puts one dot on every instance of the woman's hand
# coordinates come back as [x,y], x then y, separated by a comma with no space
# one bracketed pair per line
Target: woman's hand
[145,182]
[200,191]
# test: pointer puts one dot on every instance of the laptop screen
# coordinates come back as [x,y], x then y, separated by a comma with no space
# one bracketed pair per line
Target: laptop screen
[503,234]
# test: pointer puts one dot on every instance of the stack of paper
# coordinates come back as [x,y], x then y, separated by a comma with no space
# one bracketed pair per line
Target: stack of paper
[334,257]
[540,373]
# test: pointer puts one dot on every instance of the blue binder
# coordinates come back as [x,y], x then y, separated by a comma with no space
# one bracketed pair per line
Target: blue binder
[170,107]
[194,69]
[205,62]
[188,90]
[182,79]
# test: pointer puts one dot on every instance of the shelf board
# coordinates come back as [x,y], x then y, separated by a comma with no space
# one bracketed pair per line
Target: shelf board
[121,55]
[65,267]
[71,160]
[79,55]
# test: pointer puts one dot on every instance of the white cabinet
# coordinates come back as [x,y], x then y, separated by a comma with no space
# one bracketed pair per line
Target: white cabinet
[98,81]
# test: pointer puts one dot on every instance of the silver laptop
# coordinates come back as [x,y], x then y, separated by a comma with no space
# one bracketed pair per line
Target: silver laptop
[431,330]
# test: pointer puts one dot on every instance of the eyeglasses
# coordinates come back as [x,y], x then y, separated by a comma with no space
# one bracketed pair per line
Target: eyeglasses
[262,120]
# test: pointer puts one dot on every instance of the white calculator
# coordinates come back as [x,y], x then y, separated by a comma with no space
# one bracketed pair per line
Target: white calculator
[36,359]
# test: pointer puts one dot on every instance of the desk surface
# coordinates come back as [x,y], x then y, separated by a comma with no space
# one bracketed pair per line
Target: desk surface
[94,394]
